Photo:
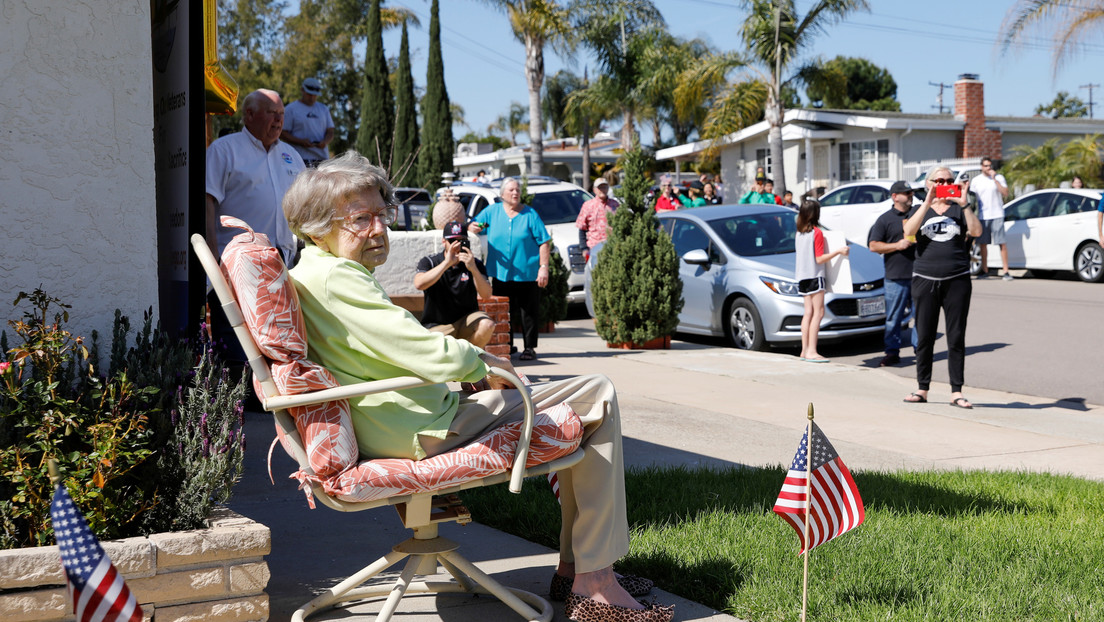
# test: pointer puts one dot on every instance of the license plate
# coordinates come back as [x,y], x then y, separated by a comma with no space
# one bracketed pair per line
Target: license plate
[871,306]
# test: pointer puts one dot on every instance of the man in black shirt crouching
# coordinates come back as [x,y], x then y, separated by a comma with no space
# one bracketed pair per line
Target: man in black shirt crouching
[451,280]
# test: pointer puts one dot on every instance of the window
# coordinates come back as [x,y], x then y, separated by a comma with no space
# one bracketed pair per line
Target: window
[1068,204]
[688,236]
[837,197]
[763,160]
[864,159]
[1030,207]
[870,194]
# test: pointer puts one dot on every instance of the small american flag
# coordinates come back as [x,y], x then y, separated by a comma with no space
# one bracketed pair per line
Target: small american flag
[836,506]
[96,588]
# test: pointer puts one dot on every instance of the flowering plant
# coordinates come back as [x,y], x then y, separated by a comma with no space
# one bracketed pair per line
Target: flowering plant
[126,458]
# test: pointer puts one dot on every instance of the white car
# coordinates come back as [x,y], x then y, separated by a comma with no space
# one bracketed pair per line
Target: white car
[853,207]
[1052,229]
[557,202]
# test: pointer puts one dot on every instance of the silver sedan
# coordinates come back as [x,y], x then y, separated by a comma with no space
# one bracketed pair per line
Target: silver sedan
[737,269]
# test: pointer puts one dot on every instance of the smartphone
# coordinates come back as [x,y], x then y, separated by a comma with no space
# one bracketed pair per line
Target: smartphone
[948,191]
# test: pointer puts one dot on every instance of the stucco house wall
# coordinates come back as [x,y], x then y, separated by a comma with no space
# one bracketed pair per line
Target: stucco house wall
[76,170]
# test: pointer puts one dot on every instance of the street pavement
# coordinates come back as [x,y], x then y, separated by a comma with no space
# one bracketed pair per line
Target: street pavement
[694,405]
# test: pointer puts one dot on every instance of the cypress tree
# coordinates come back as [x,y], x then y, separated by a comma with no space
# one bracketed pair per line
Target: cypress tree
[635,287]
[406,118]
[377,105]
[436,154]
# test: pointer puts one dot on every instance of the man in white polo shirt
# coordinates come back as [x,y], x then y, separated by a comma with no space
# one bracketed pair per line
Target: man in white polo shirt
[248,173]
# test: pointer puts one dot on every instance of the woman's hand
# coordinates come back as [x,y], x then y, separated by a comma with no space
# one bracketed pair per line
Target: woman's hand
[542,277]
[495,382]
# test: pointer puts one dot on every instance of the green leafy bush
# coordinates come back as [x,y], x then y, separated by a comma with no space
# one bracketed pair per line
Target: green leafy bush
[553,299]
[126,442]
[635,286]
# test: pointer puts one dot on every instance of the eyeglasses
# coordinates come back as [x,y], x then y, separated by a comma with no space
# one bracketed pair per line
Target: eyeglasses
[942,181]
[362,221]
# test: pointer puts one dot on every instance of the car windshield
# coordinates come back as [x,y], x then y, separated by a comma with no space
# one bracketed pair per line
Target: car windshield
[559,207]
[758,234]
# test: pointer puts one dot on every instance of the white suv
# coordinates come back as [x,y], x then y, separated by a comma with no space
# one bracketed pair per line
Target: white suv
[558,204]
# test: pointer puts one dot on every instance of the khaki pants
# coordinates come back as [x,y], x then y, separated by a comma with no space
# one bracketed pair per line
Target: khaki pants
[464,328]
[594,533]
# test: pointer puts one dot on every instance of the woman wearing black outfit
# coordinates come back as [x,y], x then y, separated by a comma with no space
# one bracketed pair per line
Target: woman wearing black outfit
[942,228]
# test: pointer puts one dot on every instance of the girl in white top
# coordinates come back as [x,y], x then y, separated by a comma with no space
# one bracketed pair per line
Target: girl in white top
[812,254]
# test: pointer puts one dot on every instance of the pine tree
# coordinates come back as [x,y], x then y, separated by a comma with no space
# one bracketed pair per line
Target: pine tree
[377,107]
[406,117]
[436,154]
[635,287]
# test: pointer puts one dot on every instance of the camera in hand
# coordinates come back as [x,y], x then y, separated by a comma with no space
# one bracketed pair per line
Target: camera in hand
[948,191]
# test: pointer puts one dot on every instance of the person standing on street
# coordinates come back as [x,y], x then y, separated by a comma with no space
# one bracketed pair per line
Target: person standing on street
[991,190]
[308,126]
[887,238]
[942,226]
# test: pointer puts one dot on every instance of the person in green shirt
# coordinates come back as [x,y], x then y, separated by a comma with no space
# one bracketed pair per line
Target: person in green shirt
[342,210]
[758,193]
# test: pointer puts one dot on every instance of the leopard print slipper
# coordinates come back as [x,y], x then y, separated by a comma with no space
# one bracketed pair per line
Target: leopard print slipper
[635,586]
[582,609]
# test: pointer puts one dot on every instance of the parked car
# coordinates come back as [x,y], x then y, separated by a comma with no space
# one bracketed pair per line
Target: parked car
[415,204]
[1052,229]
[737,269]
[853,207]
[557,202]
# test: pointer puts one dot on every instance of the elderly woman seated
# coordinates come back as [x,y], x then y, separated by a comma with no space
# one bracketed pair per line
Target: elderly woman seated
[341,210]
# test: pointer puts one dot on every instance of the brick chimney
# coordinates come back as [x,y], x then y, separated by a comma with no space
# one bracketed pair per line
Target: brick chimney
[974,141]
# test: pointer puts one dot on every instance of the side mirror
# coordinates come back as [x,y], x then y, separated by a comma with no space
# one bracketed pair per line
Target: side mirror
[698,256]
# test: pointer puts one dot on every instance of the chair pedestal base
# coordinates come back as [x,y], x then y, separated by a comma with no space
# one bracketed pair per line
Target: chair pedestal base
[424,556]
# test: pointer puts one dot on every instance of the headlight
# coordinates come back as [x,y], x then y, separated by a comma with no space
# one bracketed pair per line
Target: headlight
[780,286]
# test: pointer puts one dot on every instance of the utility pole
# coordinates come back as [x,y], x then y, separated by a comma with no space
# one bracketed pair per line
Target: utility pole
[1090,86]
[939,98]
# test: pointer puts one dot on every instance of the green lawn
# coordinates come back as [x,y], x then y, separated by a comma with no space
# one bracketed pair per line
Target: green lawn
[934,546]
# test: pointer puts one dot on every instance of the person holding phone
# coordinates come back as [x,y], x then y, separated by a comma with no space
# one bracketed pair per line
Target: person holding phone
[942,227]
[451,281]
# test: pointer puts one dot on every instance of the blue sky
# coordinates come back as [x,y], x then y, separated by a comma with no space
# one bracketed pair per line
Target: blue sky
[918,42]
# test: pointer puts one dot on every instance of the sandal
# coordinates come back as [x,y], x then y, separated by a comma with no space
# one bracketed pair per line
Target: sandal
[527,355]
[583,609]
[920,399]
[962,402]
[635,586]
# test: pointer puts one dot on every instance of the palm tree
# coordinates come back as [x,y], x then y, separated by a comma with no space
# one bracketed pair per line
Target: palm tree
[537,23]
[1038,166]
[1082,157]
[1074,22]
[511,123]
[774,35]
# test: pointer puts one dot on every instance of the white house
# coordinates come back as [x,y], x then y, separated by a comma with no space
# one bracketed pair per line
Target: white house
[824,148]
[563,158]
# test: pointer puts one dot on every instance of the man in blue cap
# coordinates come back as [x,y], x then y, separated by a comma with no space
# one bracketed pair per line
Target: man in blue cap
[451,281]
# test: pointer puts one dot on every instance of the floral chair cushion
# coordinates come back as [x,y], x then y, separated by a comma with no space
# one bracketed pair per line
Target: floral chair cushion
[270,306]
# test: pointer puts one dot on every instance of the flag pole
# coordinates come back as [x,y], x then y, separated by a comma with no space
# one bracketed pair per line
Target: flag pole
[55,473]
[808,507]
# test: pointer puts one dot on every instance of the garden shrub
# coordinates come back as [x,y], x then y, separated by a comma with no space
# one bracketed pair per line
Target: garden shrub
[149,446]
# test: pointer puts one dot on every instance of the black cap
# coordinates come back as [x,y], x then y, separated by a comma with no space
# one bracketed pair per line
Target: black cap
[455,230]
[900,187]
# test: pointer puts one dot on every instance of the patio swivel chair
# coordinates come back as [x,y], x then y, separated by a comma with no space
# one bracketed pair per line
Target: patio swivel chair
[313,424]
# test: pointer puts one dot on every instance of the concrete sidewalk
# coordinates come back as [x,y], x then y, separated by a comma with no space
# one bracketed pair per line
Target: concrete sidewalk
[691,405]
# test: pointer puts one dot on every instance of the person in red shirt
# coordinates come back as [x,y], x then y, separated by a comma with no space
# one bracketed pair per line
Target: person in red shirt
[667,200]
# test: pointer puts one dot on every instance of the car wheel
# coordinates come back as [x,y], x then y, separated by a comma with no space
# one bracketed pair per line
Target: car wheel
[975,259]
[744,328]
[1089,263]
